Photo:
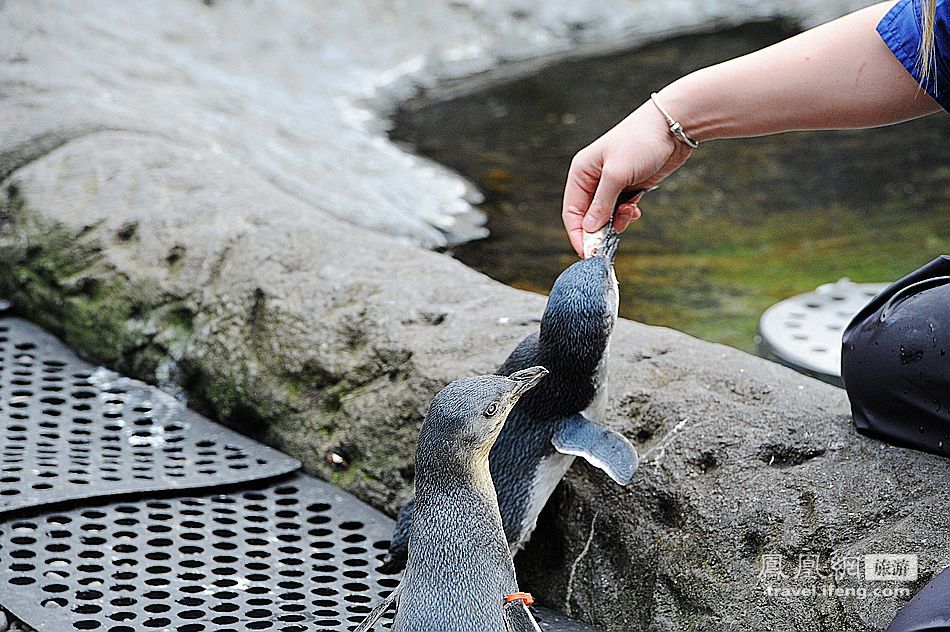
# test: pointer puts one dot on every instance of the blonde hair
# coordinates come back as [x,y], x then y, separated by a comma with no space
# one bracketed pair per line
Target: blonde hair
[926,59]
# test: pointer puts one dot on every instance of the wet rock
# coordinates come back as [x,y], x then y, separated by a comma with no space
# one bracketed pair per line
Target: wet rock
[197,200]
[726,480]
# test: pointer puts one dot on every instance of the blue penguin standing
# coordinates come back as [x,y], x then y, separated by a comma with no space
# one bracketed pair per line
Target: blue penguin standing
[460,576]
[555,422]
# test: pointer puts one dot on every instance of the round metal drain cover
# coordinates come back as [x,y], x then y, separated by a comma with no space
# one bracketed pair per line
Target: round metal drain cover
[71,430]
[804,332]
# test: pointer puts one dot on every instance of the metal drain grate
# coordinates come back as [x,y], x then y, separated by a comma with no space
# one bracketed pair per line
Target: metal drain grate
[297,555]
[70,430]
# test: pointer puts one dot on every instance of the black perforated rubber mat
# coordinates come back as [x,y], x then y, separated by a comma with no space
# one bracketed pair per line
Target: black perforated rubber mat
[71,430]
[297,555]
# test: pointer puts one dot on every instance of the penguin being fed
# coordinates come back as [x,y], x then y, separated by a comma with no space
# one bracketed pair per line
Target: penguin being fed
[555,422]
[460,576]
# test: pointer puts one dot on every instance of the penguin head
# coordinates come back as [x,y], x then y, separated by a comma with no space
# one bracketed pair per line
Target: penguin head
[464,419]
[582,309]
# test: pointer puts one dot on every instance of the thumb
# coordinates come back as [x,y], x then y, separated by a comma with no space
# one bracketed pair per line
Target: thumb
[605,197]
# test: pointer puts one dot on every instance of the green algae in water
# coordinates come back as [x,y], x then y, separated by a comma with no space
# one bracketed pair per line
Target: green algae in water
[744,224]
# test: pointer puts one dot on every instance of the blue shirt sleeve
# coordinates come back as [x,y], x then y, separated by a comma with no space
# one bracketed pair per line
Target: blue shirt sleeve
[901,31]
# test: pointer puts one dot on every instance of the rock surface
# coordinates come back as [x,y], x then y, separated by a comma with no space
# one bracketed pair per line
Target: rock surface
[194,195]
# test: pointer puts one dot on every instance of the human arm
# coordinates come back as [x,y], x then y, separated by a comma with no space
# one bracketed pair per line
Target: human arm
[835,76]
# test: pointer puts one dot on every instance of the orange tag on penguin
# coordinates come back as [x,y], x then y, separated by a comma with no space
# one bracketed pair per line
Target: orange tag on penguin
[520,596]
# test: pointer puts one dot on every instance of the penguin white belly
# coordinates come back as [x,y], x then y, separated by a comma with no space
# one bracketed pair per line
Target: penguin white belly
[552,469]
[597,408]
[548,474]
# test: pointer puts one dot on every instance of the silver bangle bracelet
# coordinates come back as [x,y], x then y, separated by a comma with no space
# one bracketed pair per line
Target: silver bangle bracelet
[675,128]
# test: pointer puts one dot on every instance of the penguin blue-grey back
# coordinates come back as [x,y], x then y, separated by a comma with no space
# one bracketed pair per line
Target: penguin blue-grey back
[459,569]
[555,422]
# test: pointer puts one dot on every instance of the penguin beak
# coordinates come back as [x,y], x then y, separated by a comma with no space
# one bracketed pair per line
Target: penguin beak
[527,378]
[611,243]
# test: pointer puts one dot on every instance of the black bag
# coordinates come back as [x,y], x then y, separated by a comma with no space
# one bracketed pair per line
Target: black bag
[929,610]
[895,361]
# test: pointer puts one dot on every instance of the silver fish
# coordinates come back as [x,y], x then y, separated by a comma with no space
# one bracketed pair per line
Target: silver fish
[594,241]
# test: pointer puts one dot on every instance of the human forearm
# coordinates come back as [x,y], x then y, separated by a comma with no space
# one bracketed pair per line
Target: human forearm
[838,75]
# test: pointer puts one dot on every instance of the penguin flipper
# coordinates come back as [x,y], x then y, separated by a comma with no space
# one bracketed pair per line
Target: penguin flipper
[380,609]
[601,447]
[519,619]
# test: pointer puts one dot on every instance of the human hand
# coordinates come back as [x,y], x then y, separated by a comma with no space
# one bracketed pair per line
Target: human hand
[638,153]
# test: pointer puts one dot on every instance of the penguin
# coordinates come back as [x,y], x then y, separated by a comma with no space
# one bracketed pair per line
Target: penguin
[557,421]
[460,576]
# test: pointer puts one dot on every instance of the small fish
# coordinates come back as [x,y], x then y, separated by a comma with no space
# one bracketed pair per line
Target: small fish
[594,241]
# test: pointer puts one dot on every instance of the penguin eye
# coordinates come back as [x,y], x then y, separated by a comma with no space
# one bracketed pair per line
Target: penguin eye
[491,409]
